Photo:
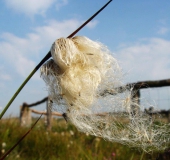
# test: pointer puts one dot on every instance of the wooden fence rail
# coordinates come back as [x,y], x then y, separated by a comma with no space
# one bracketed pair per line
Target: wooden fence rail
[25,109]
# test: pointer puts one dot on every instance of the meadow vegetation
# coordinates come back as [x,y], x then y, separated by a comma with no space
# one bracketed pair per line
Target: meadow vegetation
[63,142]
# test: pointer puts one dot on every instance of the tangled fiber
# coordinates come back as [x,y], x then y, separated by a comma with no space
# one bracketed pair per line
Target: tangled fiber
[85,82]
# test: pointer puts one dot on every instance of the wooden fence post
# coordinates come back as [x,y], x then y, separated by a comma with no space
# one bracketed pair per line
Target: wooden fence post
[136,99]
[25,115]
[168,116]
[49,114]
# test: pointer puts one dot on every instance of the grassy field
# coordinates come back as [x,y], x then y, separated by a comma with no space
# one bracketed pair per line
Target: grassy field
[64,142]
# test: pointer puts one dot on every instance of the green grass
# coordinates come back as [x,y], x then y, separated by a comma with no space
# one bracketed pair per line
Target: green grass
[64,142]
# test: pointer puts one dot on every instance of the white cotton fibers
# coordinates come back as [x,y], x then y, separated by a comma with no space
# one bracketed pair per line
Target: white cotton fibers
[85,81]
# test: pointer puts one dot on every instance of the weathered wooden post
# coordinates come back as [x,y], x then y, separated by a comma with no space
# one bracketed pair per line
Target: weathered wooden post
[25,115]
[169,118]
[136,100]
[49,114]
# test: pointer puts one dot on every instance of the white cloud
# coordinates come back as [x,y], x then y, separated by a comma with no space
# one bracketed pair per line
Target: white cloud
[22,54]
[92,24]
[23,65]
[32,7]
[14,53]
[163,31]
[163,21]
[60,3]
[55,29]
[146,60]
[4,76]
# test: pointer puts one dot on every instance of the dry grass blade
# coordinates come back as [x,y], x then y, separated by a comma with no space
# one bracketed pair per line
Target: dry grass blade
[9,151]
[32,73]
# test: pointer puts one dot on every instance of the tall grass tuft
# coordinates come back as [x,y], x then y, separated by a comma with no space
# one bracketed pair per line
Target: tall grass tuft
[64,142]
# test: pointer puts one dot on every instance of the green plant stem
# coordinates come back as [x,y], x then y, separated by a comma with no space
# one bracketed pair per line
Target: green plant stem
[45,59]
[132,156]
[142,155]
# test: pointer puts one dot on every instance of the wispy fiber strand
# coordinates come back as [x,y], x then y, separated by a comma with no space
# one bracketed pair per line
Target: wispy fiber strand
[86,83]
[44,60]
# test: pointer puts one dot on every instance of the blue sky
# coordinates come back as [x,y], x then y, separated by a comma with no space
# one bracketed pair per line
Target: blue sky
[137,33]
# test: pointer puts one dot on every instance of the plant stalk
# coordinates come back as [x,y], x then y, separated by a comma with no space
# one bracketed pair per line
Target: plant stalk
[9,151]
[45,59]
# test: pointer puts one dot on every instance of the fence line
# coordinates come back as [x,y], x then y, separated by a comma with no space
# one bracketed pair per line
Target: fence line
[25,109]
[45,113]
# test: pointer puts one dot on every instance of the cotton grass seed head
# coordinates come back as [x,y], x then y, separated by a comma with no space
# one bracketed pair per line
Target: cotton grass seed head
[85,82]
